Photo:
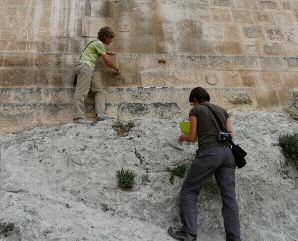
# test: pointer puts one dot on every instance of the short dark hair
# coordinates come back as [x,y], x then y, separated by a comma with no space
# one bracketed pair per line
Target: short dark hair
[199,94]
[105,32]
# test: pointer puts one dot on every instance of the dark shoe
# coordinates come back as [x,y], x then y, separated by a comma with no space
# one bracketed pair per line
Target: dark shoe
[178,234]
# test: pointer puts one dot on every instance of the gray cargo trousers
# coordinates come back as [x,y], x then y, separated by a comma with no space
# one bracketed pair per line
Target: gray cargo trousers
[220,162]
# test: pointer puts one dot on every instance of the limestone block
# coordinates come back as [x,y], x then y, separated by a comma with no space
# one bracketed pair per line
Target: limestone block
[272,80]
[223,3]
[212,31]
[268,4]
[170,78]
[263,17]
[274,49]
[249,78]
[232,32]
[294,97]
[269,63]
[13,60]
[293,112]
[229,48]
[91,25]
[289,80]
[274,34]
[272,98]
[246,4]
[253,47]
[8,35]
[238,96]
[221,15]
[220,79]
[290,34]
[36,95]
[241,16]
[292,62]
[160,110]
[283,18]
[15,2]
[291,49]
[18,117]
[22,77]
[234,62]
[253,31]
[286,5]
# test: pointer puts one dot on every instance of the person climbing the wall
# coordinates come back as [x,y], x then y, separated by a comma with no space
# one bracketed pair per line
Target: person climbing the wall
[84,71]
[214,157]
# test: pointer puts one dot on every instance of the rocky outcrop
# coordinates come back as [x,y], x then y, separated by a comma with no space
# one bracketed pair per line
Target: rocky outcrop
[59,182]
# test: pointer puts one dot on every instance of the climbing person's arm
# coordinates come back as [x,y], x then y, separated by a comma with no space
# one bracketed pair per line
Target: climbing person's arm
[110,53]
[109,62]
[229,127]
[192,136]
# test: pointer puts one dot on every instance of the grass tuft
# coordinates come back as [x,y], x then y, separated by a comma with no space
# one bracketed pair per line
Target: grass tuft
[178,171]
[289,146]
[125,179]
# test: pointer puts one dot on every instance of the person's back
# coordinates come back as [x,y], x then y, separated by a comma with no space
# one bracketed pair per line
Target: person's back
[91,53]
[206,130]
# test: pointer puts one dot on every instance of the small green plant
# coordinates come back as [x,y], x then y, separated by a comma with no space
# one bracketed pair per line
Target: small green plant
[289,146]
[178,171]
[125,179]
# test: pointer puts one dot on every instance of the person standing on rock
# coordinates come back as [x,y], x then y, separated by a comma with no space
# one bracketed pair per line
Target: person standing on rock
[84,71]
[214,157]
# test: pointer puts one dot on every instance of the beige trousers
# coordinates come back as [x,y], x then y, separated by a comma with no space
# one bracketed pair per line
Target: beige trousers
[84,81]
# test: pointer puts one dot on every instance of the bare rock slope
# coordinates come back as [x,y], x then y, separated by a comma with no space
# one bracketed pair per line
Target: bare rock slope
[59,183]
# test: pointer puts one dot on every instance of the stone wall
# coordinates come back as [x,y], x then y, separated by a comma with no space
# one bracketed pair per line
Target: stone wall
[243,51]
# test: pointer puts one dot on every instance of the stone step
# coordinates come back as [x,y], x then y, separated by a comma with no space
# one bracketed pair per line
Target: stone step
[55,95]
[17,117]
[22,108]
[36,77]
[229,97]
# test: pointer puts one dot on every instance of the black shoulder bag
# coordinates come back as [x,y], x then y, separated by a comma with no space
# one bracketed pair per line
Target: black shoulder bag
[223,135]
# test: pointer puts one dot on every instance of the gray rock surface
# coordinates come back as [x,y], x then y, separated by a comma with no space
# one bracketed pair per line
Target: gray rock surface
[59,183]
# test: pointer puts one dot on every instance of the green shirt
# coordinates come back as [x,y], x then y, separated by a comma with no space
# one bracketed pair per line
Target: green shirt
[91,53]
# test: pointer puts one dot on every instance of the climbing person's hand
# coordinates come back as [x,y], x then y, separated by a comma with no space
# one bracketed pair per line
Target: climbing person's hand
[111,53]
[116,72]
[181,139]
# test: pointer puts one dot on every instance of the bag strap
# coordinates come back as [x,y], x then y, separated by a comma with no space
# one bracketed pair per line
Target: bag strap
[214,117]
[87,47]
[217,122]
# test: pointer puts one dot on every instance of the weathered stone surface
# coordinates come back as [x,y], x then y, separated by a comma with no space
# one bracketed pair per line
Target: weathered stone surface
[274,34]
[229,48]
[268,4]
[161,110]
[253,32]
[293,108]
[271,98]
[221,15]
[242,16]
[60,182]
[274,49]
[238,96]
[263,17]
[224,3]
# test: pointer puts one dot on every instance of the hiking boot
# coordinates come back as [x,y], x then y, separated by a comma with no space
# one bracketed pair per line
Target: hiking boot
[178,234]
[81,120]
